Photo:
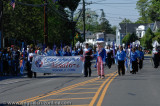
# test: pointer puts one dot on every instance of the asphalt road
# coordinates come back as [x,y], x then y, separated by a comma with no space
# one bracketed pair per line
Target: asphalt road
[141,89]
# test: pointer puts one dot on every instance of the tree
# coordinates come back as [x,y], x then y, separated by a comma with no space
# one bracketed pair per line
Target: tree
[91,21]
[126,21]
[129,38]
[157,36]
[142,6]
[26,22]
[149,11]
[154,10]
[104,24]
[146,41]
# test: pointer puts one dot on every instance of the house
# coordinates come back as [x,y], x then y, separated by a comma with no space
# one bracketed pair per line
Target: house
[125,28]
[156,26]
[108,38]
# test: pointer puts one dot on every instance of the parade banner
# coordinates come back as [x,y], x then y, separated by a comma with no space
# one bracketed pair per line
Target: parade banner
[57,64]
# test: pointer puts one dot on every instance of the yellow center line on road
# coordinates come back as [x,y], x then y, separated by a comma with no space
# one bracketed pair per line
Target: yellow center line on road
[65,99]
[84,88]
[104,91]
[55,92]
[58,91]
[99,90]
[99,81]
[77,105]
[91,84]
[76,93]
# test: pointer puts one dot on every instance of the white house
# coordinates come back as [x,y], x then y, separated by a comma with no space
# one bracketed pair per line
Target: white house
[91,39]
[140,31]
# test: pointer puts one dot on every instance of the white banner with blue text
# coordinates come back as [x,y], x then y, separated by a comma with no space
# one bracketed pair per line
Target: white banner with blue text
[57,64]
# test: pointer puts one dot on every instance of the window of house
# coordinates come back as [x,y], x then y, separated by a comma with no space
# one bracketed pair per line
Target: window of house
[140,34]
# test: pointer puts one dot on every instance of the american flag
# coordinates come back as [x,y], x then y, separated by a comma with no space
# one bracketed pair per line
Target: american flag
[12,3]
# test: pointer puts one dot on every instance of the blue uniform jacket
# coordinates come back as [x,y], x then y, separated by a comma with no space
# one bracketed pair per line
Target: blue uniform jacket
[102,54]
[121,55]
[134,56]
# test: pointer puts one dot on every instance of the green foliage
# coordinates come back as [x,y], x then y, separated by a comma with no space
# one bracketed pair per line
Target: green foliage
[157,36]
[104,24]
[149,11]
[146,41]
[91,21]
[154,10]
[71,4]
[129,38]
[126,21]
[27,22]
[142,6]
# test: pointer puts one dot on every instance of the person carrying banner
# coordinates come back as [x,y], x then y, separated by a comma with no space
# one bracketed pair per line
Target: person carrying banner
[29,64]
[121,55]
[101,57]
[87,54]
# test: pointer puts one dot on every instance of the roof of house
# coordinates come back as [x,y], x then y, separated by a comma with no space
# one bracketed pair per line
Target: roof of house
[129,27]
[158,24]
[110,35]
[90,36]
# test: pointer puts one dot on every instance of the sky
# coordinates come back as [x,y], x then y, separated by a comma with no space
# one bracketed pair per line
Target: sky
[115,10]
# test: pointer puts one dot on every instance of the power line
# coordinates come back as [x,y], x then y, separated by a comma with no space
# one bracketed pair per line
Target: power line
[32,5]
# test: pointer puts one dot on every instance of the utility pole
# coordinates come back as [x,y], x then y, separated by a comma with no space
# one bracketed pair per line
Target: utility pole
[45,23]
[1,24]
[84,24]
[125,26]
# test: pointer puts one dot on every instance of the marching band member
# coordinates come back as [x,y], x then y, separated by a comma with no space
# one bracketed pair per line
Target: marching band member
[108,57]
[155,57]
[121,55]
[134,59]
[141,58]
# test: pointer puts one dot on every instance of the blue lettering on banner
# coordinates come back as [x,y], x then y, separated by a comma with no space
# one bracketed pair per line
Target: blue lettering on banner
[63,70]
[47,60]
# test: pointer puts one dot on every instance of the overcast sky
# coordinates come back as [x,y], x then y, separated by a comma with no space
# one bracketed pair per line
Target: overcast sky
[115,10]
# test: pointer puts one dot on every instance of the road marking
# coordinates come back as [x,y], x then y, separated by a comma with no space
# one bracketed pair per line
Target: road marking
[66,99]
[99,90]
[77,105]
[85,88]
[75,93]
[104,91]
[91,84]
[61,90]
[55,92]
